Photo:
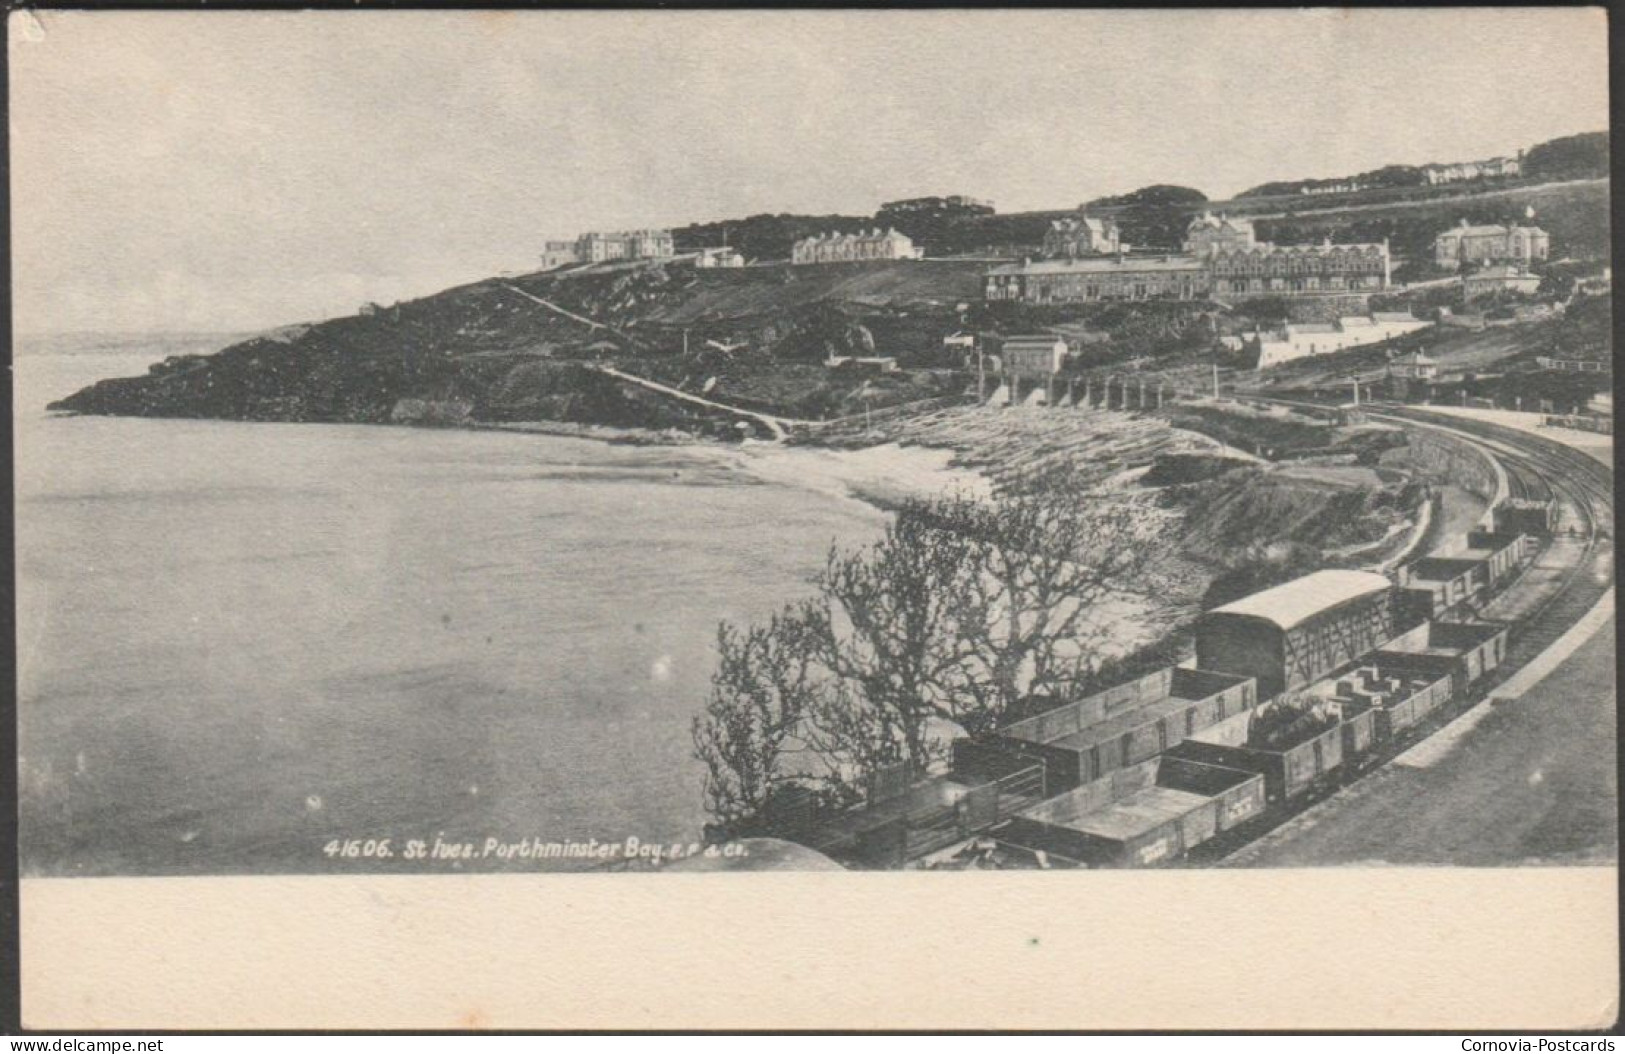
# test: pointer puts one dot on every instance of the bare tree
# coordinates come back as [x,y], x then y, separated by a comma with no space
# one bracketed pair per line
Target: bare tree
[1057,576]
[956,615]
[886,625]
[761,694]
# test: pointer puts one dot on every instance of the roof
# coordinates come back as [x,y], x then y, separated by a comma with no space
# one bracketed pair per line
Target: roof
[1393,316]
[1220,222]
[1415,359]
[890,234]
[1103,265]
[1033,340]
[1494,230]
[1264,249]
[1291,603]
[1073,223]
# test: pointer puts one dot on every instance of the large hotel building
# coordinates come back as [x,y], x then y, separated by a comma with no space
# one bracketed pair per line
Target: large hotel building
[1221,260]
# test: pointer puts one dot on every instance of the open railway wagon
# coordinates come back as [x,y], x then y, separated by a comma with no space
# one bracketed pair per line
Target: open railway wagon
[1505,552]
[1434,586]
[1466,651]
[1309,743]
[1088,738]
[1441,584]
[1295,755]
[1144,815]
[1533,516]
[904,818]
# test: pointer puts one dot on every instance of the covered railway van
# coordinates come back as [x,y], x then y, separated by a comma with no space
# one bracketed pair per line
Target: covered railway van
[1296,633]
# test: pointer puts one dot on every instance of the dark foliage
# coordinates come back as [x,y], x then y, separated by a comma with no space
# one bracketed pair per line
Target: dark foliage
[1155,216]
[1582,156]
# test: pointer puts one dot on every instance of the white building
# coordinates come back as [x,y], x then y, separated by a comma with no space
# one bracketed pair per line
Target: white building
[557,254]
[1461,171]
[1301,340]
[722,256]
[1497,278]
[836,247]
[1033,355]
[1467,243]
[1415,366]
[1082,235]
[601,246]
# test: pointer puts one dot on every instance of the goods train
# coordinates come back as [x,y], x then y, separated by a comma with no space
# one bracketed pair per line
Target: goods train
[1293,691]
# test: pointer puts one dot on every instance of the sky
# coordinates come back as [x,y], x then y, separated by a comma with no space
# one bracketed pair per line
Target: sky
[228,171]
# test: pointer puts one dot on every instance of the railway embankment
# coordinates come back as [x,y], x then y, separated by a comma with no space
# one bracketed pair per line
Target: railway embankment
[1526,771]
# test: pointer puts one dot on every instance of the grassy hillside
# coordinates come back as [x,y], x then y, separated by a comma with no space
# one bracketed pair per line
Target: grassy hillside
[744,293]
[495,351]
[1576,216]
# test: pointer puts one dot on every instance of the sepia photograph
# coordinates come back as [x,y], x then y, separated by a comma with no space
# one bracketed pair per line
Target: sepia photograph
[586,445]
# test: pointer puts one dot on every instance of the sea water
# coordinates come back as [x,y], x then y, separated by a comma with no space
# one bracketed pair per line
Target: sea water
[242,645]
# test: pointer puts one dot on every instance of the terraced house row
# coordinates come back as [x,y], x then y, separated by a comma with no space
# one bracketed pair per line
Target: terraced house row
[1222,259]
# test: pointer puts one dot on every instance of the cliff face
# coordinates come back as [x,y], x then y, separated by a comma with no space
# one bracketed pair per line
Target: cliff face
[525,348]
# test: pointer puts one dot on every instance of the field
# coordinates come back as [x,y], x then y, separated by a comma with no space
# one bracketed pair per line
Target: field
[1575,214]
[754,291]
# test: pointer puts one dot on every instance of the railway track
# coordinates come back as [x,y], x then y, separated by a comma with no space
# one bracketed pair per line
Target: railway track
[1537,469]
[1544,470]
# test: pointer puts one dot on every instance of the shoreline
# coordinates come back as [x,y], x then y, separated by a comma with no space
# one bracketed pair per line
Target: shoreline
[618,434]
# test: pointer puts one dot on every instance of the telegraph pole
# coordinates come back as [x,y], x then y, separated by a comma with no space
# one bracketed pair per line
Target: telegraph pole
[1215,381]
